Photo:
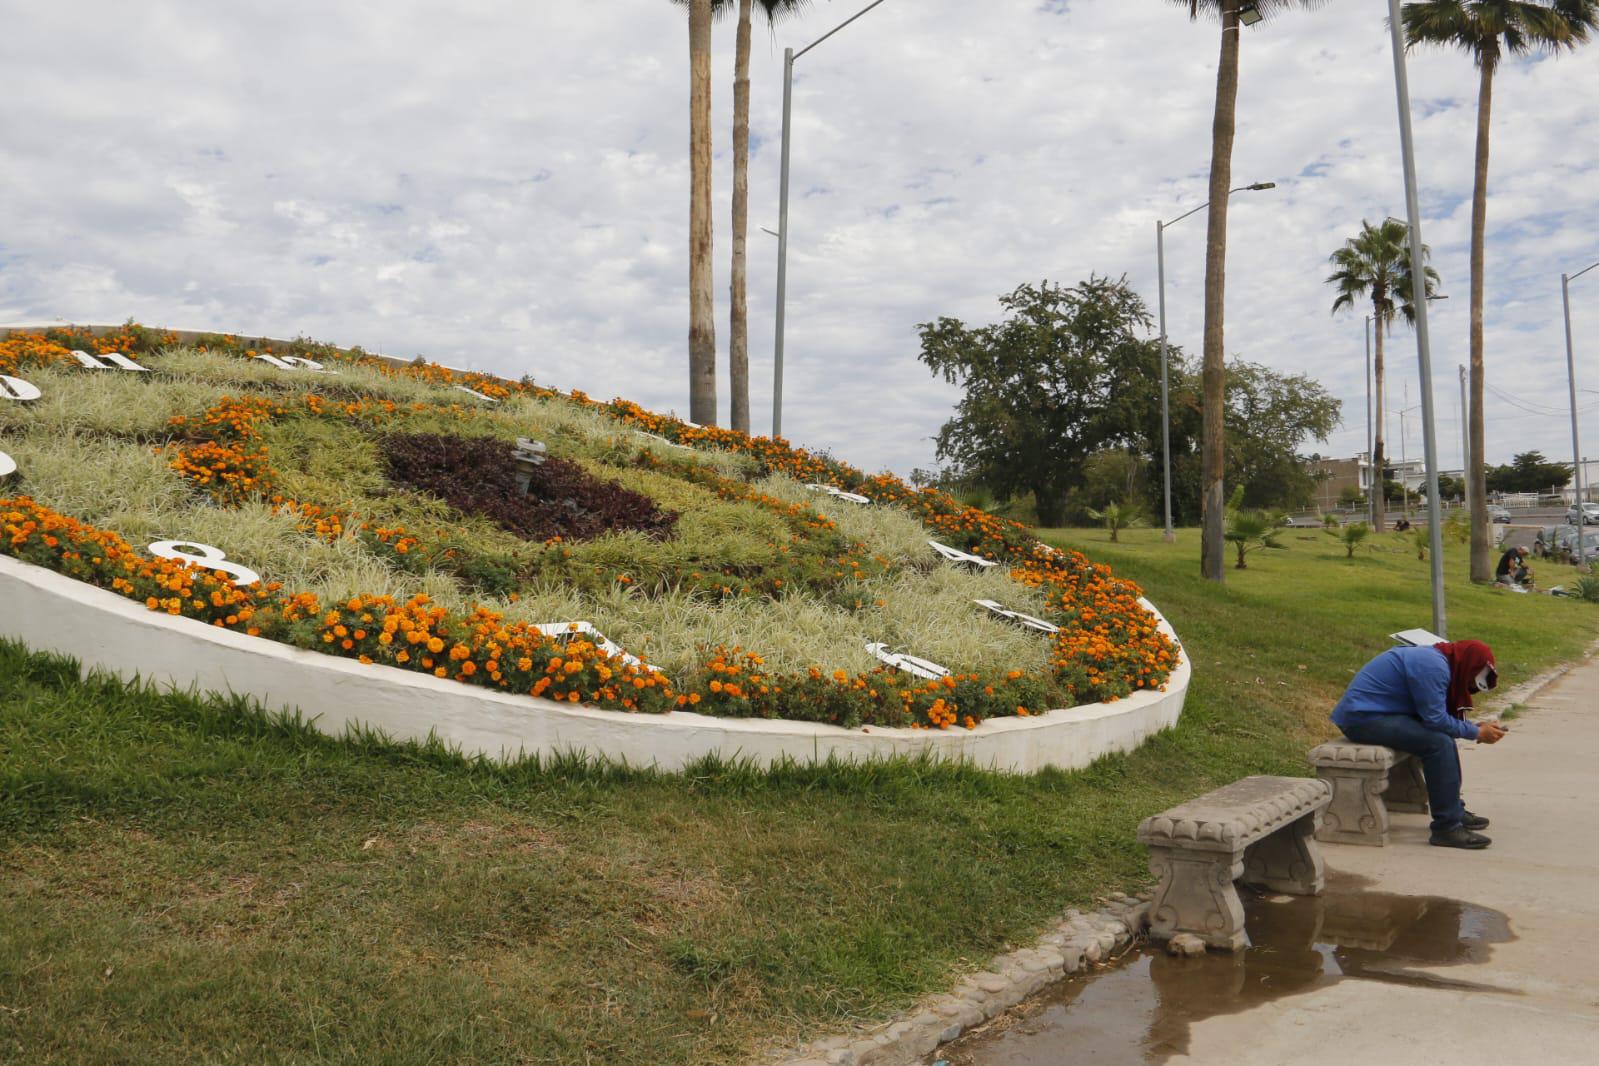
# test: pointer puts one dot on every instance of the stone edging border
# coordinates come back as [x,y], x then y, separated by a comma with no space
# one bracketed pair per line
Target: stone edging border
[101,629]
[1078,941]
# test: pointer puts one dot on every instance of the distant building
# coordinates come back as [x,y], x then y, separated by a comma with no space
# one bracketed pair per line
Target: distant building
[1333,476]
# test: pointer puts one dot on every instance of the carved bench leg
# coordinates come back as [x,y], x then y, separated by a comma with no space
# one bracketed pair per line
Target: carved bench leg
[1288,860]
[1196,895]
[1407,786]
[1357,813]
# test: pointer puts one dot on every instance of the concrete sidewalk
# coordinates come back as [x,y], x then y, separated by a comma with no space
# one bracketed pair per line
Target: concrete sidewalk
[1534,998]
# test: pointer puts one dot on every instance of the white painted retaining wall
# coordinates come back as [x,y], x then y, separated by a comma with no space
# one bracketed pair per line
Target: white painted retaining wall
[49,612]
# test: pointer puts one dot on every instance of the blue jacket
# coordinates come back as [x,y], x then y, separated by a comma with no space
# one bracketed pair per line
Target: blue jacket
[1413,681]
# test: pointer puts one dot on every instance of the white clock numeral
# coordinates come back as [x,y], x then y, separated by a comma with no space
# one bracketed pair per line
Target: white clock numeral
[205,556]
[17,389]
[108,361]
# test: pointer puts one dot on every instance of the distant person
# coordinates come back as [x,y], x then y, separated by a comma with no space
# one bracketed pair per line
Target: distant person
[1402,526]
[1414,699]
[1512,568]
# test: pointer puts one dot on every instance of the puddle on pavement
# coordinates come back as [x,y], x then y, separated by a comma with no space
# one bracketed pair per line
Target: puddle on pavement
[1140,1011]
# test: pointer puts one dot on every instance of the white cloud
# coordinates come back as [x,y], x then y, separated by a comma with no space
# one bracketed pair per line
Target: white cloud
[505,187]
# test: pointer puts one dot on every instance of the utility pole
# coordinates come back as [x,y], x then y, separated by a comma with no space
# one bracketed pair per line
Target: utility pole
[1465,430]
[1418,270]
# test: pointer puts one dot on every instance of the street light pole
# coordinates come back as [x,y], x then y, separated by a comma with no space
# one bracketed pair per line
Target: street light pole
[1165,402]
[1418,270]
[782,251]
[1571,380]
[789,55]
[1165,405]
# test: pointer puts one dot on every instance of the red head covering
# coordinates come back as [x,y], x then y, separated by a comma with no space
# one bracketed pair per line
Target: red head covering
[1466,660]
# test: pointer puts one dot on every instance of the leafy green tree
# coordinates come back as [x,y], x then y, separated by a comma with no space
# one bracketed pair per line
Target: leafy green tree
[1487,31]
[1450,487]
[1528,472]
[1064,375]
[1375,263]
[1351,496]
[1213,459]
[1268,415]
[1113,475]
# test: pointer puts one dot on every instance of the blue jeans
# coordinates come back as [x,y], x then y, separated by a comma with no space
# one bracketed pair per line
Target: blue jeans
[1440,761]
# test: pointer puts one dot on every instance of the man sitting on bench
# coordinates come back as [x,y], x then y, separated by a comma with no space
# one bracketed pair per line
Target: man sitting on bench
[1414,700]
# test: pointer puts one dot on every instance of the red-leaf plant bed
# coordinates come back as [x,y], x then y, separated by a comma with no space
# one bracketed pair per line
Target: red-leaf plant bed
[476,475]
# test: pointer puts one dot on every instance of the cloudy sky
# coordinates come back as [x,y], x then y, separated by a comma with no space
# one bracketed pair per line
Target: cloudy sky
[505,187]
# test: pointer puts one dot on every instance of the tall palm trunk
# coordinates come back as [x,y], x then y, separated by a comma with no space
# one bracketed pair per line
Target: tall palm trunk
[1481,563]
[1213,500]
[738,355]
[702,307]
[1378,459]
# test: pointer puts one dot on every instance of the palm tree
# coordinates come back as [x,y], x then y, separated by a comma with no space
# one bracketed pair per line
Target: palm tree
[738,354]
[738,348]
[1489,30]
[1117,517]
[1250,531]
[701,304]
[1213,376]
[1376,263]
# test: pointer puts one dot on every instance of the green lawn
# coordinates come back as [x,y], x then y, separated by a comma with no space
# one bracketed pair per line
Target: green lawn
[187,881]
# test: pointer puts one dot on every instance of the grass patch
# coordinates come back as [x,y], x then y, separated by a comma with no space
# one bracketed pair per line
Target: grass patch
[190,880]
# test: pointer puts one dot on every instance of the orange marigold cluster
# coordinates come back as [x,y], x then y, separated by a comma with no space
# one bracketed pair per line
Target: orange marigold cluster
[480,647]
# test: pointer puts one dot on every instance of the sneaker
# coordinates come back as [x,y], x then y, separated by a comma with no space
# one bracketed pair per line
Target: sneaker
[1474,822]
[1458,837]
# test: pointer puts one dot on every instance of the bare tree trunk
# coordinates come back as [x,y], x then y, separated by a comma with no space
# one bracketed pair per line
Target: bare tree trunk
[1481,563]
[1379,519]
[701,303]
[738,335]
[1213,498]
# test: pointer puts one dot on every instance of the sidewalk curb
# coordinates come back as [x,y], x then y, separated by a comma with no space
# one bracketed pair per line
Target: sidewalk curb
[1524,692]
[1077,943]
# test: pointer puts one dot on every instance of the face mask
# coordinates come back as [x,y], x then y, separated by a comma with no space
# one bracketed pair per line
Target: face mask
[1486,679]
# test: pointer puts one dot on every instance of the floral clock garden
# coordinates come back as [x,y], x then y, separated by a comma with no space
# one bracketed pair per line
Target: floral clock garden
[503,534]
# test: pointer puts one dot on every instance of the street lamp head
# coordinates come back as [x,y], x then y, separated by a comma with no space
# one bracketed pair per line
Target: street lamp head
[1249,13]
[1261,186]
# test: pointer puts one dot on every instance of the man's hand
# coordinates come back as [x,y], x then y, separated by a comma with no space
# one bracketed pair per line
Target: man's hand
[1490,732]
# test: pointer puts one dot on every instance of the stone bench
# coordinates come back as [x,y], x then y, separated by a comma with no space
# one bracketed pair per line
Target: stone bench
[1261,830]
[1368,781]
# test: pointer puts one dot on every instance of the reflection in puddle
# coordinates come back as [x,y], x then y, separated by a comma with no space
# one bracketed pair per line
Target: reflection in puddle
[1141,1011]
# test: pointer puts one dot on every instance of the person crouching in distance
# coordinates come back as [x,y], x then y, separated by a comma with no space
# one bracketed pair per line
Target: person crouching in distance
[1415,699]
[1512,568]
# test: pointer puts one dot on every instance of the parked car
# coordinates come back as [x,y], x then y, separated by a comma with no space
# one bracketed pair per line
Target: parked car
[1590,514]
[1560,542]
[1497,513]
